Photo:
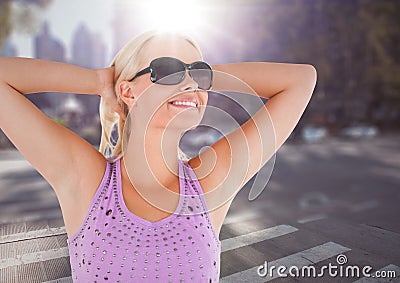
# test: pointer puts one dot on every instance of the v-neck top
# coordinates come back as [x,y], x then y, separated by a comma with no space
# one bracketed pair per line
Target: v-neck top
[115,245]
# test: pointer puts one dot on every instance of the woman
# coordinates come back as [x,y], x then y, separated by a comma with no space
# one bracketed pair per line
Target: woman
[124,218]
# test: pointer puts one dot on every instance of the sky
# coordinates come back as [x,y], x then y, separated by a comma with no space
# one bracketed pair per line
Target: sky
[64,17]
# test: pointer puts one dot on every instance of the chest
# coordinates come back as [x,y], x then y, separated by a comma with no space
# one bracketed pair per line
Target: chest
[145,209]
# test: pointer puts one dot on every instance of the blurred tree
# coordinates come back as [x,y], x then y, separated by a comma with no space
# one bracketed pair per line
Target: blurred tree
[380,24]
[19,15]
[5,20]
[354,44]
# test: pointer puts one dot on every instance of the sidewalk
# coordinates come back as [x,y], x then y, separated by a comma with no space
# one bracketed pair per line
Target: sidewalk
[34,252]
[33,240]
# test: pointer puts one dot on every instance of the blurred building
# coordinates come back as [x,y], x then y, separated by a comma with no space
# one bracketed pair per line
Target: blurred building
[125,26]
[8,49]
[88,51]
[48,47]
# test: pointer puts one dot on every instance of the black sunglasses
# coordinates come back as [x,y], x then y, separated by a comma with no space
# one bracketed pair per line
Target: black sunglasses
[172,71]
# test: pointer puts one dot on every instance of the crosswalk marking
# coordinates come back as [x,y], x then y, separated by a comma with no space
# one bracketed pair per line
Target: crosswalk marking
[248,215]
[311,218]
[303,258]
[54,231]
[61,280]
[299,259]
[255,237]
[373,279]
[31,217]
[34,257]
[227,244]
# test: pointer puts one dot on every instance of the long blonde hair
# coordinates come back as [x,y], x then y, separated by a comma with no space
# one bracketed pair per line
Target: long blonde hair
[127,63]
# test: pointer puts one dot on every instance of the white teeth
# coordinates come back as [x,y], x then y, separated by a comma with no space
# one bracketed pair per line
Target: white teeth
[188,103]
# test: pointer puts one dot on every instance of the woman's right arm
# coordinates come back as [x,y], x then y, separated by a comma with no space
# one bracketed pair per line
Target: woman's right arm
[28,75]
[57,153]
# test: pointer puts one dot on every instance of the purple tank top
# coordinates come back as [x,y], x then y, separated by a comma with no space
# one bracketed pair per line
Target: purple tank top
[115,245]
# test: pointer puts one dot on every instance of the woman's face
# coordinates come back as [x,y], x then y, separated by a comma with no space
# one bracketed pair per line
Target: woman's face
[151,102]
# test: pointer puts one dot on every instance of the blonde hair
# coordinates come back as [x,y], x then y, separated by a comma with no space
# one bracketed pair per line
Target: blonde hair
[127,63]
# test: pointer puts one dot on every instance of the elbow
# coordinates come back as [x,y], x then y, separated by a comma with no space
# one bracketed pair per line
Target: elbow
[310,77]
[312,72]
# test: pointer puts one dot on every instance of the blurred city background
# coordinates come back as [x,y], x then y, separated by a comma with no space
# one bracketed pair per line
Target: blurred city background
[353,44]
[335,183]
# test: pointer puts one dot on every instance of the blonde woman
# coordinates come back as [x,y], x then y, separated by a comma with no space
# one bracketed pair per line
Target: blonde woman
[132,215]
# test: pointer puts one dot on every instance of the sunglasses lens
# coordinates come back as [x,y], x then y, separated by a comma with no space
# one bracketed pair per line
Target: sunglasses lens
[171,71]
[201,72]
[168,71]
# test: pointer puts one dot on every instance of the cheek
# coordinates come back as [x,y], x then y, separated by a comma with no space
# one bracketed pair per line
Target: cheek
[204,97]
[162,117]
[141,86]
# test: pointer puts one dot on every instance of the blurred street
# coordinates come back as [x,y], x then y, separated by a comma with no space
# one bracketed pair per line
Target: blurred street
[323,199]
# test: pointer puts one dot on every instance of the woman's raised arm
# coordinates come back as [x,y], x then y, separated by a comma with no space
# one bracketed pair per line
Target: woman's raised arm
[289,88]
[57,153]
[29,75]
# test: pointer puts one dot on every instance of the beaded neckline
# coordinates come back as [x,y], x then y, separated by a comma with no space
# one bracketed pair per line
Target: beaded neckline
[111,168]
[126,213]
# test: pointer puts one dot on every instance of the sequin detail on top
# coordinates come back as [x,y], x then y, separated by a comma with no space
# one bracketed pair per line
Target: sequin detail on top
[115,245]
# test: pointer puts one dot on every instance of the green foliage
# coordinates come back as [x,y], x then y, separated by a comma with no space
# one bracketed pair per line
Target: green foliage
[60,121]
[19,14]
[5,21]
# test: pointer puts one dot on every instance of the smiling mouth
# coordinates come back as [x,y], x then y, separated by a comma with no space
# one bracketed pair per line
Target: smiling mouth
[183,104]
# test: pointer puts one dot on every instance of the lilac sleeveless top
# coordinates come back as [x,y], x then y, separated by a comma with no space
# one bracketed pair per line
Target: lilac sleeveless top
[115,245]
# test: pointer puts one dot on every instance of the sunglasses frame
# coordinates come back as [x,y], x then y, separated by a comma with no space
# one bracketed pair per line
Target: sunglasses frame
[150,69]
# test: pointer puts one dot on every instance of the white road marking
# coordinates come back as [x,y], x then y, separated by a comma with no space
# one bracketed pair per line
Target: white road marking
[255,237]
[239,217]
[311,218]
[34,257]
[33,234]
[31,217]
[61,280]
[300,259]
[227,244]
[381,279]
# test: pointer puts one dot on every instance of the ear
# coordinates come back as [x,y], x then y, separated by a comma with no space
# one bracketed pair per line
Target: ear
[126,91]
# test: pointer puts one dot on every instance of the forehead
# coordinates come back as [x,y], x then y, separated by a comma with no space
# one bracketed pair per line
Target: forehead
[170,46]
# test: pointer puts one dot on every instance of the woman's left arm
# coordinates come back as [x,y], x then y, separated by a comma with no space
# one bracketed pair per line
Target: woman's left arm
[269,78]
[289,88]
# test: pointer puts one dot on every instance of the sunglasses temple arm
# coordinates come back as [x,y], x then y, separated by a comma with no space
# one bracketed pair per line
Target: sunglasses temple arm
[142,72]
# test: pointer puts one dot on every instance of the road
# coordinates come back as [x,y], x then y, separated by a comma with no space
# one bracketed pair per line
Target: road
[323,200]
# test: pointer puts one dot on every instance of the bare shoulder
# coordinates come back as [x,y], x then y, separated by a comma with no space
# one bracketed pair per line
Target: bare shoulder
[212,165]
[211,175]
[91,168]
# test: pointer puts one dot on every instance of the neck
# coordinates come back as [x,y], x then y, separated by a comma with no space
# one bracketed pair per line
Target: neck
[151,155]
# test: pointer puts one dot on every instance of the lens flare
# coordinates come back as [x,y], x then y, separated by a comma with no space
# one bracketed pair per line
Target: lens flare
[173,15]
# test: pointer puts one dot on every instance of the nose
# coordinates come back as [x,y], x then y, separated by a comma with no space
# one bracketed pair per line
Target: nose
[188,82]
